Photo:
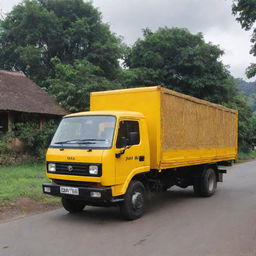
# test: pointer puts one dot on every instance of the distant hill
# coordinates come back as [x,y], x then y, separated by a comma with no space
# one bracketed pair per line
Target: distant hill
[248,89]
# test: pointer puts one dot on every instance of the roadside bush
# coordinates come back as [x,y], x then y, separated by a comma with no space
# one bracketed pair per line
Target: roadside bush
[4,149]
[6,153]
[2,145]
[35,140]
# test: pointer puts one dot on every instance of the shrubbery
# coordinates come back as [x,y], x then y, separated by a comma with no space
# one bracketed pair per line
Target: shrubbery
[7,155]
[35,141]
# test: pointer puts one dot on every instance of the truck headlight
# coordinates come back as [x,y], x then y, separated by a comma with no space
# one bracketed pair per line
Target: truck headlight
[93,169]
[47,189]
[51,167]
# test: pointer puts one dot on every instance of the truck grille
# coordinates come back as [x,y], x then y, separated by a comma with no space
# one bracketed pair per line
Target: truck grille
[73,183]
[79,169]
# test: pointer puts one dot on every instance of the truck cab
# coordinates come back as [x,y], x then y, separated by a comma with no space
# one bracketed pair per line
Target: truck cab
[94,155]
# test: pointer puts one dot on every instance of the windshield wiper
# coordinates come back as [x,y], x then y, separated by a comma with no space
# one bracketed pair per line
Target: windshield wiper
[66,141]
[85,142]
[92,140]
[79,141]
[88,141]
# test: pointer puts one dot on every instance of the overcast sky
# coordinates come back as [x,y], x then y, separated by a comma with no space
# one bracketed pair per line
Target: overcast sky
[213,18]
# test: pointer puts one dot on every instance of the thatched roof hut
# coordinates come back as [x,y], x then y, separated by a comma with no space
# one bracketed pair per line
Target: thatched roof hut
[22,100]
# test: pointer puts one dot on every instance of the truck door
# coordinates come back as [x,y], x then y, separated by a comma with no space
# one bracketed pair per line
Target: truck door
[130,144]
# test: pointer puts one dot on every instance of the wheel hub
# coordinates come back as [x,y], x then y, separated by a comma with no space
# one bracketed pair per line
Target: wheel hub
[137,201]
[211,183]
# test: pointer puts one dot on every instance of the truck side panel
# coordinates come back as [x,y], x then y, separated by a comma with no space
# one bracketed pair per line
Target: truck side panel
[195,132]
[183,130]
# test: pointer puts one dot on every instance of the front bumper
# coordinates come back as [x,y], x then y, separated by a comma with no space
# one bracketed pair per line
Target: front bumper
[84,193]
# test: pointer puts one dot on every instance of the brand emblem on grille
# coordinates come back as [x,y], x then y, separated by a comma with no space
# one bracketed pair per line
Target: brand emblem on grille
[70,168]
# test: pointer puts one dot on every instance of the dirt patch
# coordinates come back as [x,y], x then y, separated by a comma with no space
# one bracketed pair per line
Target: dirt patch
[23,207]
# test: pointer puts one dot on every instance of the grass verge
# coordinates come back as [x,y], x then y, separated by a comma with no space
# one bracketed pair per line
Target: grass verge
[246,156]
[23,181]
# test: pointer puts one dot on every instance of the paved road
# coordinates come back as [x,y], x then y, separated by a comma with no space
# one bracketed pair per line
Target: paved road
[177,223]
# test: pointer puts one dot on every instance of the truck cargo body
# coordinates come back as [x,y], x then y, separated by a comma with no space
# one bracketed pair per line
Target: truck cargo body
[183,130]
[137,140]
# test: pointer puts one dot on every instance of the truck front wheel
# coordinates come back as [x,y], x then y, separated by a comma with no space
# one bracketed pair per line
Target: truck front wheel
[133,206]
[72,206]
[205,184]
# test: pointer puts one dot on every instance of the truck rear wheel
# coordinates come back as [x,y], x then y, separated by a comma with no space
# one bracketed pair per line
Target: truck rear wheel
[133,206]
[205,184]
[72,206]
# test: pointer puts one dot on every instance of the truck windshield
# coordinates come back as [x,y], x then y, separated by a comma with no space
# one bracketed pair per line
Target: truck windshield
[85,132]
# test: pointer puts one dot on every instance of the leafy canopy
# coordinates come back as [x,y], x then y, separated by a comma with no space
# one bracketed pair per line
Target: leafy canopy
[179,60]
[245,10]
[72,84]
[36,31]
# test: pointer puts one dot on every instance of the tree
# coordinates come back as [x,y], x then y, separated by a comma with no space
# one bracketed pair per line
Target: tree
[72,84]
[245,10]
[247,89]
[36,31]
[179,60]
[246,121]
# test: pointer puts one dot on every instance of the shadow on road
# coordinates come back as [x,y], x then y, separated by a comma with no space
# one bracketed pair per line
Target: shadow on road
[156,202]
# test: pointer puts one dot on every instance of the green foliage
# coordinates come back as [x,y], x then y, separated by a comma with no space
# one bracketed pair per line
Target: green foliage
[7,155]
[4,150]
[246,128]
[245,12]
[179,60]
[36,31]
[73,83]
[248,89]
[24,180]
[246,156]
[36,140]
[253,138]
[3,144]
[62,45]
[251,69]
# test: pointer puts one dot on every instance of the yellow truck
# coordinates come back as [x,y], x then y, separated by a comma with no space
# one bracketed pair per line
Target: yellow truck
[135,141]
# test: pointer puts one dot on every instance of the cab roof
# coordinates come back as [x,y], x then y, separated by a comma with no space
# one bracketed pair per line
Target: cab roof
[123,114]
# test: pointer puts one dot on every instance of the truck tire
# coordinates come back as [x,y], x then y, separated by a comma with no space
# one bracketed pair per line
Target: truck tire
[72,206]
[133,206]
[205,184]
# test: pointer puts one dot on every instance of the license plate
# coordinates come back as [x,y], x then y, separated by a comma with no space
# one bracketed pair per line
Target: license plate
[69,191]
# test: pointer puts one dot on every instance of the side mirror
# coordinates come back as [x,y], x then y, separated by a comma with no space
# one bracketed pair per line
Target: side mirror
[122,144]
[133,138]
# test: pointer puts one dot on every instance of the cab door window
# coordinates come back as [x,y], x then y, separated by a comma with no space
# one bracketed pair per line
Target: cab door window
[128,134]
